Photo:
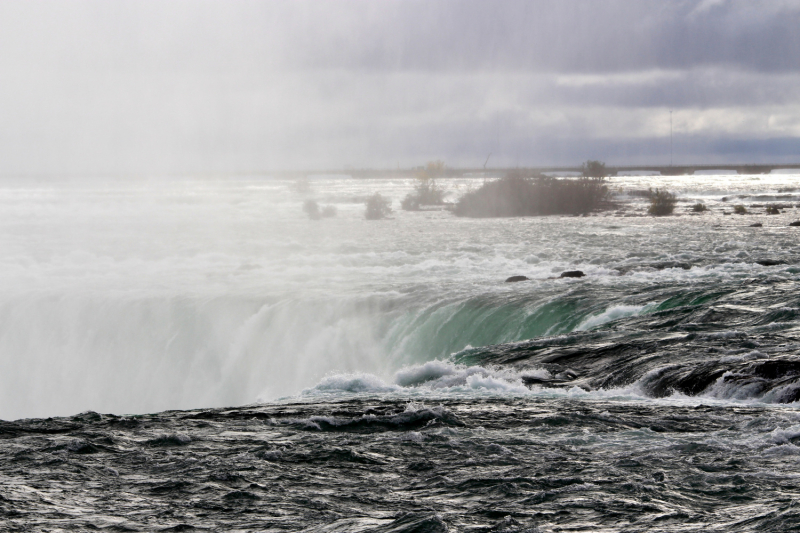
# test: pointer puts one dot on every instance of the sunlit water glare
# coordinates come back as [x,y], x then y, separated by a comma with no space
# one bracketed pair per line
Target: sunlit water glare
[134,296]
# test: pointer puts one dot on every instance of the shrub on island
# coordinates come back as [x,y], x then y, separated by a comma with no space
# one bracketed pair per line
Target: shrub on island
[699,207]
[773,210]
[311,208]
[662,203]
[426,190]
[378,207]
[519,194]
[740,209]
[594,169]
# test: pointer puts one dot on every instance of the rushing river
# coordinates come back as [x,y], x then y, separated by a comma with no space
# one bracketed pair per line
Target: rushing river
[392,380]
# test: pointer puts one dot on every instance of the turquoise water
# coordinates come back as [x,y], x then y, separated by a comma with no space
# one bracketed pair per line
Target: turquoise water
[143,295]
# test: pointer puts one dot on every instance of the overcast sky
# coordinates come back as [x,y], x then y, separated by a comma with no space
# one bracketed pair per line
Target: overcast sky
[175,87]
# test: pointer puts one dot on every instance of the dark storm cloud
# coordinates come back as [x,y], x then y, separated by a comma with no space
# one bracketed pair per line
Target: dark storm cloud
[218,86]
[565,36]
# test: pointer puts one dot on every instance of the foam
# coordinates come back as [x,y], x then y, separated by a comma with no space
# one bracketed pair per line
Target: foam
[439,376]
[730,334]
[784,435]
[430,371]
[356,383]
[614,312]
[725,389]
[243,298]
[492,383]
[442,375]
[748,356]
[415,415]
[782,450]
[442,379]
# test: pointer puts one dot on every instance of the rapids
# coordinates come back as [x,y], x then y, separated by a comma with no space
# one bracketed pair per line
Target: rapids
[346,375]
[139,296]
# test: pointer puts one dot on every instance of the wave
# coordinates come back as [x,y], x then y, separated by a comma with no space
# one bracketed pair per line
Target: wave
[432,376]
[414,417]
[699,344]
[144,353]
[762,381]
[614,312]
[132,353]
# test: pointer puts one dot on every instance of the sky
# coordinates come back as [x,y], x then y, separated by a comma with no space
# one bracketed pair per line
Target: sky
[213,87]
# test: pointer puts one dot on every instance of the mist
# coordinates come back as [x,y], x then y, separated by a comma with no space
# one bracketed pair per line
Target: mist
[187,88]
[299,265]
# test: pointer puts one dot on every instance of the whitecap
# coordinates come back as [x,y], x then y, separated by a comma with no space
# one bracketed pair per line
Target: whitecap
[613,313]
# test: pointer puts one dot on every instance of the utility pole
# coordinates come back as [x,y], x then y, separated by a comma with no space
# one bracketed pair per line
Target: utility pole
[670,137]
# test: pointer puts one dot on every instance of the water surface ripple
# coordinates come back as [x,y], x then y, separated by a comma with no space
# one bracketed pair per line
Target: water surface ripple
[382,465]
[390,379]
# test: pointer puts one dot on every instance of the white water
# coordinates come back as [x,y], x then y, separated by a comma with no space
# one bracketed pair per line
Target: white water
[136,296]
[431,381]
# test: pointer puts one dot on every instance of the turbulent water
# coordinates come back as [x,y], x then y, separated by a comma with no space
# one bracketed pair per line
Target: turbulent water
[391,380]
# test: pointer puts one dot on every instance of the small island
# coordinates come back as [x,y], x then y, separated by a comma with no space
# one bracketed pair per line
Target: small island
[521,193]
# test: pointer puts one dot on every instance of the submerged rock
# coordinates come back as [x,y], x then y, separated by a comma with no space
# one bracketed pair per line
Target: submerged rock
[415,521]
[572,274]
[795,223]
[513,279]
[756,225]
[670,264]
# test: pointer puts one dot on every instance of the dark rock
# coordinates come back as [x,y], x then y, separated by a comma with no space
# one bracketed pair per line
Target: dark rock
[572,274]
[770,262]
[240,495]
[795,223]
[756,225]
[81,446]
[508,525]
[414,522]
[169,440]
[512,279]
[421,466]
